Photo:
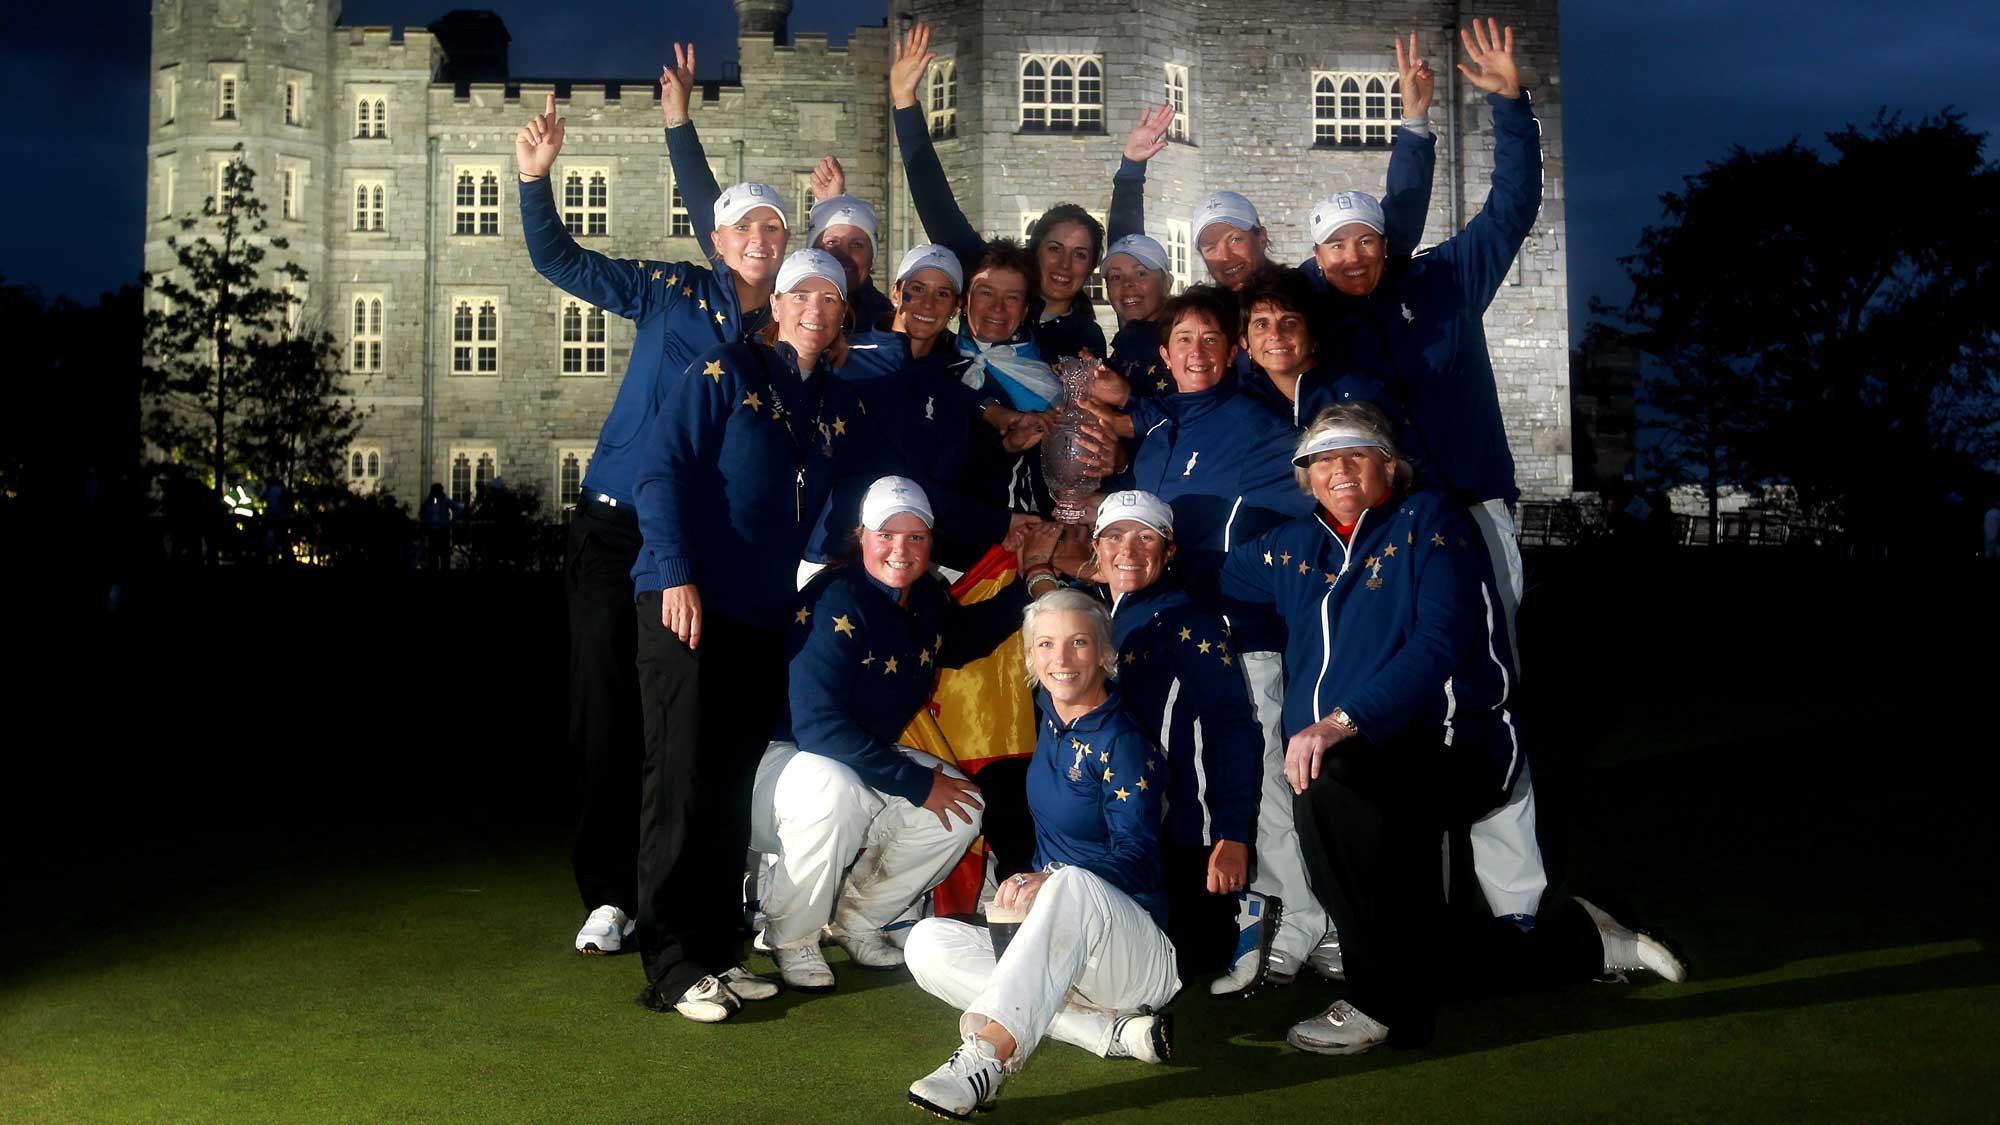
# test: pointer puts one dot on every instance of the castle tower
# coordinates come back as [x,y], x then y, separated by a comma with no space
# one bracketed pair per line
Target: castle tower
[767,18]
[229,72]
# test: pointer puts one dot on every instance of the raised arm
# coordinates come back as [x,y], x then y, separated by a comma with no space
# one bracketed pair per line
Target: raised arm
[692,175]
[609,283]
[943,221]
[1483,253]
[1128,186]
[1406,198]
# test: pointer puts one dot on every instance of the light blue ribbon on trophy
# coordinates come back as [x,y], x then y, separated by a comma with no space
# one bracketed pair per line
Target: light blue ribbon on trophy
[1017,369]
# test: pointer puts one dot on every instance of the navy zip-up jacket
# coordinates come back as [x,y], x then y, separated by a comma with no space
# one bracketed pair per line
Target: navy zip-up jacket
[1095,788]
[1069,334]
[1182,682]
[1223,462]
[1401,627]
[1422,329]
[718,497]
[928,422]
[862,666]
[680,310]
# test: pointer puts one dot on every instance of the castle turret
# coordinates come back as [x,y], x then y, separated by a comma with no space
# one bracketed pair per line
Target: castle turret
[767,18]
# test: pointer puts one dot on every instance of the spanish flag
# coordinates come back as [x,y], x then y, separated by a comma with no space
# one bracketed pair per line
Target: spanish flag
[981,713]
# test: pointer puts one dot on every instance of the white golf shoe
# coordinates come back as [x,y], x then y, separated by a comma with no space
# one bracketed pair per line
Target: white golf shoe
[803,966]
[1144,1035]
[604,931]
[970,1079]
[870,950]
[1257,918]
[708,1000]
[746,985]
[1342,1029]
[1628,950]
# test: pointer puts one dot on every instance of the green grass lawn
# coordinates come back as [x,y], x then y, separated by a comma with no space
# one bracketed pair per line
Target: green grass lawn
[398,948]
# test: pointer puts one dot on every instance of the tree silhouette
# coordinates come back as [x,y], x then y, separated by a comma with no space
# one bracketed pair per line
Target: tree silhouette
[1827,320]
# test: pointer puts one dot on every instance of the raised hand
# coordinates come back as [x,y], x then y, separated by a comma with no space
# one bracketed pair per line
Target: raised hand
[828,179]
[1149,136]
[1492,52]
[538,142]
[1417,79]
[677,86]
[913,61]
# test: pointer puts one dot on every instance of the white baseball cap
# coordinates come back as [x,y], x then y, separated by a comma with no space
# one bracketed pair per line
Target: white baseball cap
[744,198]
[842,210]
[931,256]
[892,496]
[1133,504]
[1145,251]
[1225,207]
[1341,208]
[1336,437]
[802,264]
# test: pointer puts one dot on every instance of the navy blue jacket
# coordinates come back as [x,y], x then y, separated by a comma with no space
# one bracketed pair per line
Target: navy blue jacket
[1069,334]
[718,499]
[1422,332]
[1402,627]
[862,666]
[1180,679]
[1135,354]
[680,310]
[1095,788]
[928,421]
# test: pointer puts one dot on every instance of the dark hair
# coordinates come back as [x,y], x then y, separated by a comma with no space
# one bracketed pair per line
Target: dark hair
[1005,254]
[1068,213]
[1285,287]
[1217,303]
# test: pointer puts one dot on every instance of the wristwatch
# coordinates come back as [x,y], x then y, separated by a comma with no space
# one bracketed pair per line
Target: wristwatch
[1341,719]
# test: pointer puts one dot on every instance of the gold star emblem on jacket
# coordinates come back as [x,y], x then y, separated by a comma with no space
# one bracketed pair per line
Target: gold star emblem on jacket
[752,401]
[802,615]
[718,318]
[1436,539]
[1121,793]
[843,626]
[1185,633]
[889,668]
[656,275]
[1203,647]
[713,369]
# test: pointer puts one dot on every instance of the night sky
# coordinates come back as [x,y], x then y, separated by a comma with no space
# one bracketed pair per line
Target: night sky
[1651,91]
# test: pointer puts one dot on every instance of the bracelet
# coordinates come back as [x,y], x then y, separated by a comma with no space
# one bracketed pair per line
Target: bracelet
[1045,576]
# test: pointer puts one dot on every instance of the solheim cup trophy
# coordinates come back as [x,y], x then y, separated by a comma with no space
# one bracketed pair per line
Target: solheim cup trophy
[1068,479]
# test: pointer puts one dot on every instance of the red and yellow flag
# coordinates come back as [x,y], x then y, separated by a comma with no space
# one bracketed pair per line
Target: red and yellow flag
[981,713]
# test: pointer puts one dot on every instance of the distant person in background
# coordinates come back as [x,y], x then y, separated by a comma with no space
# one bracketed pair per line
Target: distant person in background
[437,513]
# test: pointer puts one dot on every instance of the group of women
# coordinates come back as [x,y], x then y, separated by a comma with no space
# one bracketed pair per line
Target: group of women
[1273,666]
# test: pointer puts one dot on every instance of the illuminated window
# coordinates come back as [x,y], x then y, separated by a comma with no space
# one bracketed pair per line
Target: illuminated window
[371,118]
[1180,257]
[572,464]
[1355,109]
[586,200]
[364,351]
[289,192]
[1177,97]
[368,195]
[475,202]
[1062,93]
[942,99]
[583,346]
[475,336]
[225,97]
[364,468]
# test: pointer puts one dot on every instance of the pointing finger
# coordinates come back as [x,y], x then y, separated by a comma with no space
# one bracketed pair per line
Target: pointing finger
[551,106]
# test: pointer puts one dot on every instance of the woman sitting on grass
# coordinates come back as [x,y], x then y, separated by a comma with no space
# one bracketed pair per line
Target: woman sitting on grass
[1092,959]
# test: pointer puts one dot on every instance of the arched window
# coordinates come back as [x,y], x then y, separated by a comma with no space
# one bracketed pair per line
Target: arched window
[1062,93]
[943,107]
[1354,109]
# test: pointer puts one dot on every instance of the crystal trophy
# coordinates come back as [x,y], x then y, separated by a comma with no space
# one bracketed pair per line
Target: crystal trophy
[1070,481]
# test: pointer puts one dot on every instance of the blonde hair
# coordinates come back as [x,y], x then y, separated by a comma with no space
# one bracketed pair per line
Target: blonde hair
[1068,601]
[1370,420]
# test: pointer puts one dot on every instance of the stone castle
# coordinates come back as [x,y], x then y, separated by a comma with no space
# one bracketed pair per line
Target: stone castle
[387,162]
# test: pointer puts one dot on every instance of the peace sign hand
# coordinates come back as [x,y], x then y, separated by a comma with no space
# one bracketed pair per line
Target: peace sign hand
[1149,136]
[1417,79]
[677,86]
[1493,53]
[538,142]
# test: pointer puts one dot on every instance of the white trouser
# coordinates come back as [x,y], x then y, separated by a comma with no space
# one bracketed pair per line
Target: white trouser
[1506,856]
[1086,954]
[1281,866]
[813,813]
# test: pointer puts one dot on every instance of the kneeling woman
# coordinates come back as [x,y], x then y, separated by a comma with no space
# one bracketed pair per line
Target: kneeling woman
[1092,959]
[866,642]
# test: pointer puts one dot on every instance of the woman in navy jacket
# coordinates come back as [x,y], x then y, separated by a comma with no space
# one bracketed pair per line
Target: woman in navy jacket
[1096,911]
[742,461]
[679,310]
[865,645]
[1399,724]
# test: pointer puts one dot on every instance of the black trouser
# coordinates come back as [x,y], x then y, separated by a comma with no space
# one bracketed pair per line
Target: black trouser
[1372,827]
[708,718]
[1202,925]
[604,726]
